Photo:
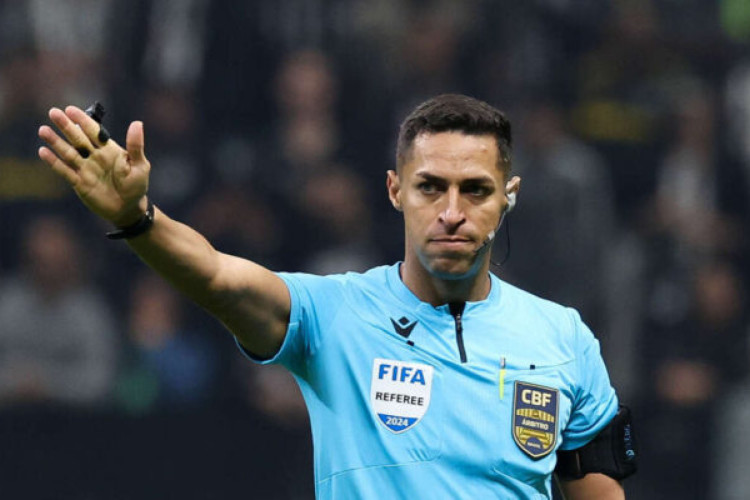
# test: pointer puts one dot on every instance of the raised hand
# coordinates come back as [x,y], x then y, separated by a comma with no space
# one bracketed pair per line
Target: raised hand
[111,181]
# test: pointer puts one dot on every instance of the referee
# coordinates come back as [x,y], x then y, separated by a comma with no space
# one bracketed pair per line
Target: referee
[427,378]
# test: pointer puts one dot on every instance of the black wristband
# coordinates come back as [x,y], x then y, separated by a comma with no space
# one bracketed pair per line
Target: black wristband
[138,228]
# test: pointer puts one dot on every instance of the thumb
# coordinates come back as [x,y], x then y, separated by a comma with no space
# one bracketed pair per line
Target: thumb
[135,142]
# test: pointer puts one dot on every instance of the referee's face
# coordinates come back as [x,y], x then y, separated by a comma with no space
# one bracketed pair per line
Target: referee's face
[452,193]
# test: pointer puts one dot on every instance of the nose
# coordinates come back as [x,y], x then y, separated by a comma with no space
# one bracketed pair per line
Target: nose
[452,214]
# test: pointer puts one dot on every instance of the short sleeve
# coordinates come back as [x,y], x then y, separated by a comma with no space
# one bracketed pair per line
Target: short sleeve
[595,399]
[314,301]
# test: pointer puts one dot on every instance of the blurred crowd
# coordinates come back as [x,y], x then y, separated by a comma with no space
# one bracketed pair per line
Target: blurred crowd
[270,125]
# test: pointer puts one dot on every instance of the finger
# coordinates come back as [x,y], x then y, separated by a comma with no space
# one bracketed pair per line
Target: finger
[62,149]
[95,133]
[60,168]
[72,132]
[135,142]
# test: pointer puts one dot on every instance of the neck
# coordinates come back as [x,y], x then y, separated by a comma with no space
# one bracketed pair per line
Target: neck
[438,291]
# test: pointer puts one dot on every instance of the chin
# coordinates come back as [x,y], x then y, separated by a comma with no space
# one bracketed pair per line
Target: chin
[452,268]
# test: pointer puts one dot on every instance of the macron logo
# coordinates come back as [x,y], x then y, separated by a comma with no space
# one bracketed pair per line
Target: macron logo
[403,327]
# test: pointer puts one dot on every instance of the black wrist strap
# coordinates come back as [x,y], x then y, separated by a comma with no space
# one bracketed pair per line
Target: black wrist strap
[138,228]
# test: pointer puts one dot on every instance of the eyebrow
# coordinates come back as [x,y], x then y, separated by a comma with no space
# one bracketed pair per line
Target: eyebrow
[472,180]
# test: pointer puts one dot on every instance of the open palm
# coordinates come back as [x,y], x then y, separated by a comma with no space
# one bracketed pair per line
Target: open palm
[111,181]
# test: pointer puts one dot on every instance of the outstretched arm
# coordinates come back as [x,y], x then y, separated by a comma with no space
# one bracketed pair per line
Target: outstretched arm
[113,183]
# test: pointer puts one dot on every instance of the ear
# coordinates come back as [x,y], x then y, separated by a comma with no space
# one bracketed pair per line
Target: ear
[393,184]
[511,192]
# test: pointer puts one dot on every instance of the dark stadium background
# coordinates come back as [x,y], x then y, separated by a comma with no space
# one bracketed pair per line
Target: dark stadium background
[270,125]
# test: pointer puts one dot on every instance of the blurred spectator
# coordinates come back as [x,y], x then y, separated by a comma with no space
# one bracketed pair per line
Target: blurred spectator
[730,456]
[233,99]
[168,364]
[242,222]
[274,394]
[172,67]
[694,197]
[626,284]
[170,115]
[305,138]
[525,48]
[564,223]
[731,450]
[57,336]
[325,24]
[51,53]
[428,56]
[737,109]
[622,89]
[306,96]
[157,77]
[24,177]
[693,217]
[304,134]
[340,238]
[278,426]
[692,362]
[70,39]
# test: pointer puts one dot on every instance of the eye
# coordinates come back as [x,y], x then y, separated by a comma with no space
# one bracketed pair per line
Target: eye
[477,190]
[427,187]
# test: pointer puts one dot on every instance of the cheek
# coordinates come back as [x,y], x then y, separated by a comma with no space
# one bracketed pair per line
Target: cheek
[417,220]
[411,225]
[491,215]
[415,231]
[492,220]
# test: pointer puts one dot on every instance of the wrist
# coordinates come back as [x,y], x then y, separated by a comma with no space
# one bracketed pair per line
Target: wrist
[132,214]
[136,228]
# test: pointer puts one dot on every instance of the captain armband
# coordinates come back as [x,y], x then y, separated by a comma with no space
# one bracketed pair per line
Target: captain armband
[612,452]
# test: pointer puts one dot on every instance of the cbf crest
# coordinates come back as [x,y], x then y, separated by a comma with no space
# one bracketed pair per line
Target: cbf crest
[535,418]
[400,393]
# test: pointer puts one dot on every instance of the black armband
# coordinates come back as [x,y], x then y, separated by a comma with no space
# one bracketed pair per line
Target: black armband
[612,452]
[136,229]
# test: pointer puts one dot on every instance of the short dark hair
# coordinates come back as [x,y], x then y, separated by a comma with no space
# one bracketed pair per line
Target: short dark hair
[456,113]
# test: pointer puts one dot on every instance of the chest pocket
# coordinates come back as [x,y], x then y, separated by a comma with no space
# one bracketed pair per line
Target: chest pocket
[397,425]
[536,401]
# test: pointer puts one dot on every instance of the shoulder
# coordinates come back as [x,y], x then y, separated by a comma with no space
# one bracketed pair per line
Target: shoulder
[336,286]
[525,303]
[543,320]
[371,277]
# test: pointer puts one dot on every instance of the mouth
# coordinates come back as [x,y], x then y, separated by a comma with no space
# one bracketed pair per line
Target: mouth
[451,241]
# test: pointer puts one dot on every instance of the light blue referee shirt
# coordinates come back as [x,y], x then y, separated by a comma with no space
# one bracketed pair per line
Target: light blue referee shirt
[411,401]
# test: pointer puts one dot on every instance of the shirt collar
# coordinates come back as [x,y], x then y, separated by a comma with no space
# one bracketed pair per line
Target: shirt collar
[402,292]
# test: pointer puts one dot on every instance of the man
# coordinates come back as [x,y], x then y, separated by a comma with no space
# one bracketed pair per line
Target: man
[58,337]
[430,378]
